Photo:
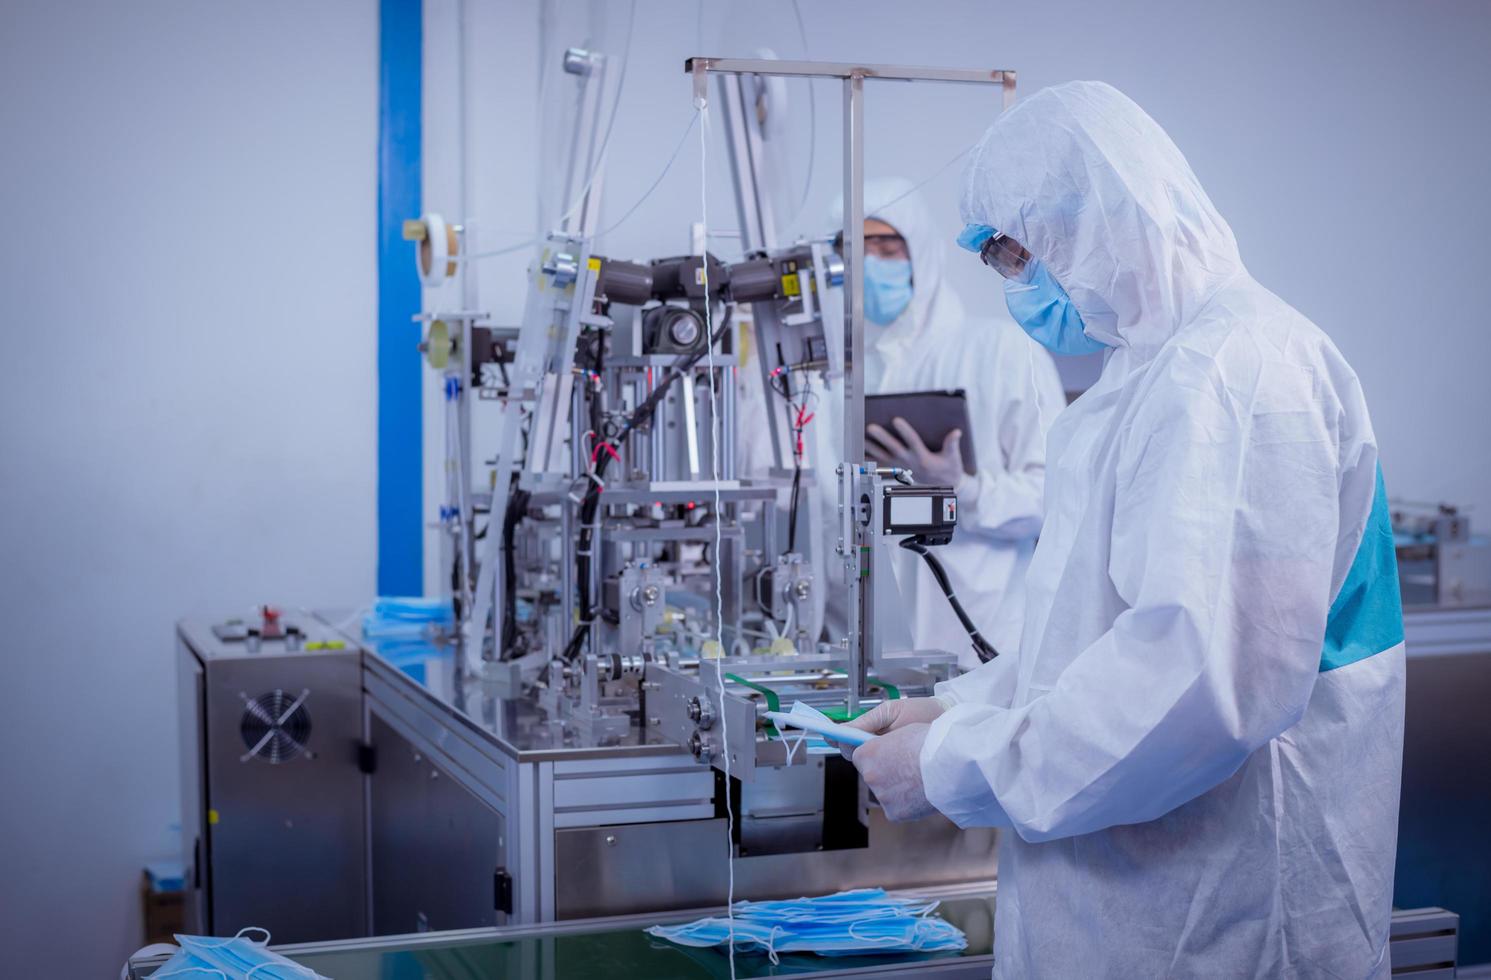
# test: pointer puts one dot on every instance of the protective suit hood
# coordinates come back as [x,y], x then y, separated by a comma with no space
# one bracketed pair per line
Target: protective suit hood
[895,201]
[1091,185]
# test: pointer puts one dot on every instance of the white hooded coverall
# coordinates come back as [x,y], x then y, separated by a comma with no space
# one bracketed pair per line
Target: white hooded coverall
[1199,744]
[1014,394]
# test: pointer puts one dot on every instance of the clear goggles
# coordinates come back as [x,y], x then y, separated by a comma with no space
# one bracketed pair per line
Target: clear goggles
[999,252]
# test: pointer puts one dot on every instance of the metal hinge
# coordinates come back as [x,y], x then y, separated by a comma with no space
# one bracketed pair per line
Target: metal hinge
[367,758]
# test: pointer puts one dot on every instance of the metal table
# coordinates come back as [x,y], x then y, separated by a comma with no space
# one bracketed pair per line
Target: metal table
[618,948]
[1424,943]
[1443,854]
[578,825]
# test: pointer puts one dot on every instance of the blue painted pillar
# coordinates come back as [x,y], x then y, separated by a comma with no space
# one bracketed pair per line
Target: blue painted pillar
[400,456]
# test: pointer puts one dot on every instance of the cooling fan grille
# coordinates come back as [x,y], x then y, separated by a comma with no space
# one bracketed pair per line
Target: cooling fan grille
[276,726]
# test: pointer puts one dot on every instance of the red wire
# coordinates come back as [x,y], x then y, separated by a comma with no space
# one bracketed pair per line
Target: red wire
[803,418]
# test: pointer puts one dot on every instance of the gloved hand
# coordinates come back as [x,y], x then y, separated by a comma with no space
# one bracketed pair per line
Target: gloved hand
[905,448]
[889,714]
[891,766]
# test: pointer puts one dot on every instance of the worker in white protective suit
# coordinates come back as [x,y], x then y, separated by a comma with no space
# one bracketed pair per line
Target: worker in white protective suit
[1199,744]
[919,337]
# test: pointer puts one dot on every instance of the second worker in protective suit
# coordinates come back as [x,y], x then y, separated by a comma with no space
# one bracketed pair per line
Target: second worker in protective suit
[919,337]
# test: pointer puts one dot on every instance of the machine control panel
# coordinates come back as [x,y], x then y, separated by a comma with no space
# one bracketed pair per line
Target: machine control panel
[927,512]
[267,631]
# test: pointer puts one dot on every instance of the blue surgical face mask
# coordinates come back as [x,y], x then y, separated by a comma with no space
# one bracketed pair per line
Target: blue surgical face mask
[863,921]
[1045,311]
[887,289]
[238,958]
[408,617]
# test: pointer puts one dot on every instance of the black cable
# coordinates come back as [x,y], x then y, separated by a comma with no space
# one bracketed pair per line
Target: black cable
[981,646]
[680,367]
[792,507]
[785,391]
[517,507]
[796,467]
[590,504]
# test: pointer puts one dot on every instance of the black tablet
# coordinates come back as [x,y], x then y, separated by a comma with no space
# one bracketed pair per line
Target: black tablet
[933,414]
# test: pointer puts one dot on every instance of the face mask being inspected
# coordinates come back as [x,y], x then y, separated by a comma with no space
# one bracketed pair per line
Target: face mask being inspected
[887,289]
[1043,309]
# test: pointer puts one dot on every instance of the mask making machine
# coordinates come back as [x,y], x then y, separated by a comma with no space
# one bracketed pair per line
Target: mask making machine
[622,550]
[588,738]
[1441,564]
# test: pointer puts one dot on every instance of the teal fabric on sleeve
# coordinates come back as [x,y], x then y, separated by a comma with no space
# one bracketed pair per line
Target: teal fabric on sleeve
[1367,616]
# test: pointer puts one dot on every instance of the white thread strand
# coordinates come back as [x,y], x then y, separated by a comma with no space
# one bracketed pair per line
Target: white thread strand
[881,206]
[719,532]
[529,243]
[807,182]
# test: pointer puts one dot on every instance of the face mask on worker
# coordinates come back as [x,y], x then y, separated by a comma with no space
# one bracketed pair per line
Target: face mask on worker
[887,288]
[1036,300]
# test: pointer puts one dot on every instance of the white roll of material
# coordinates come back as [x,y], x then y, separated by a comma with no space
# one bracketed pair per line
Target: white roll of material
[435,259]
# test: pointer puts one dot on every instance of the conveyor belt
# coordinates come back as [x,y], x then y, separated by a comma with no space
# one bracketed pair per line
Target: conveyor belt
[617,949]
[1424,943]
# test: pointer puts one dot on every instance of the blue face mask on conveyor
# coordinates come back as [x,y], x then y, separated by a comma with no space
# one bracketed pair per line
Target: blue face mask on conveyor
[866,920]
[407,617]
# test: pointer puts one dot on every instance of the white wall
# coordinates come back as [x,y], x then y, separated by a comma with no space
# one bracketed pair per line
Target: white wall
[1345,141]
[187,402]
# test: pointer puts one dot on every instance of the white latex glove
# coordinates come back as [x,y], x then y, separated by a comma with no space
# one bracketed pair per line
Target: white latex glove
[889,715]
[891,766]
[905,448]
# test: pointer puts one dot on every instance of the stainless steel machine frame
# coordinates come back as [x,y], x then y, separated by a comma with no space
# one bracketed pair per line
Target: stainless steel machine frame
[272,803]
[567,409]
[1441,564]
[484,811]
[468,791]
[572,762]
[538,786]
[863,642]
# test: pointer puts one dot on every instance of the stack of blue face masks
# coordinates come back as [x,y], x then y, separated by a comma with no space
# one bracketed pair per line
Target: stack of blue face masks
[412,618]
[239,958]
[866,920]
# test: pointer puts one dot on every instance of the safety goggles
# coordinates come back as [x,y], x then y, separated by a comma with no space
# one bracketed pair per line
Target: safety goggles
[999,252]
[880,246]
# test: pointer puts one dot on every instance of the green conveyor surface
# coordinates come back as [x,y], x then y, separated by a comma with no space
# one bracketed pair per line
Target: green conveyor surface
[617,953]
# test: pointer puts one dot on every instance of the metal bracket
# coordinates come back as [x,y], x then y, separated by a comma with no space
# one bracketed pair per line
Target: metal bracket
[861,627]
